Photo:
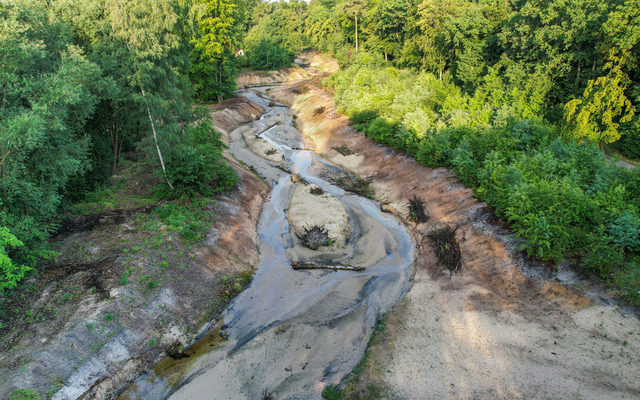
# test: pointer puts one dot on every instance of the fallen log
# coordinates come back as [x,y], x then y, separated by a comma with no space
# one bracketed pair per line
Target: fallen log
[300,266]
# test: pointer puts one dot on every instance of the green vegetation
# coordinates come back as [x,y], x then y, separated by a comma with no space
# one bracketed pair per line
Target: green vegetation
[25,394]
[84,81]
[559,194]
[188,219]
[267,55]
[517,98]
[331,393]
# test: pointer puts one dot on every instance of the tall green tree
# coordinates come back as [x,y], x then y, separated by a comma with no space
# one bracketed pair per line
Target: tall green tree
[598,114]
[212,70]
[352,12]
[49,90]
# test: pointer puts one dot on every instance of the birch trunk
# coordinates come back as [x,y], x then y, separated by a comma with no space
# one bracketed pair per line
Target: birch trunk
[155,140]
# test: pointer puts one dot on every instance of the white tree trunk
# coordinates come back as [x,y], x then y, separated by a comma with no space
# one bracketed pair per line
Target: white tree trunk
[155,139]
[356,33]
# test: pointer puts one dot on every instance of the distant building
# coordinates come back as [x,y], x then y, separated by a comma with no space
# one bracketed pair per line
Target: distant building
[239,53]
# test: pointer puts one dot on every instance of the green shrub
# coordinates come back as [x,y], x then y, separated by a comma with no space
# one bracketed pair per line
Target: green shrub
[25,394]
[332,393]
[196,167]
[625,231]
[628,280]
[10,272]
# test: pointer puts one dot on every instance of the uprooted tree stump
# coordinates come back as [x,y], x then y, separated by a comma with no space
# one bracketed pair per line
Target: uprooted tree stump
[176,351]
[314,237]
[447,248]
[354,184]
[416,210]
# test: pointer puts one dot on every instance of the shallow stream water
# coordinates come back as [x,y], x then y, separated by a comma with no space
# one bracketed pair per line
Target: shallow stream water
[291,333]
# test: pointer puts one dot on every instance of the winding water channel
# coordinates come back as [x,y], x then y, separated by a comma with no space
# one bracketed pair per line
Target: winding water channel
[291,333]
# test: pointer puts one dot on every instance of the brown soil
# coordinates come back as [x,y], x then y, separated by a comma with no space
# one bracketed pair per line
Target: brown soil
[490,332]
[233,113]
[121,293]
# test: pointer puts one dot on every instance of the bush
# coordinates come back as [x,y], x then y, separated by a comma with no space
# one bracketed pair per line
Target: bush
[197,167]
[628,280]
[10,273]
[625,231]
[267,55]
[332,393]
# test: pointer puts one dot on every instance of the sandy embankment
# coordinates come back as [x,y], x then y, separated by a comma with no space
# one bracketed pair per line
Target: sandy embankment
[260,146]
[491,332]
[256,78]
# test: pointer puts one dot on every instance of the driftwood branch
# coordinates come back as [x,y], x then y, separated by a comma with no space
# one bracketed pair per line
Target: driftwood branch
[301,266]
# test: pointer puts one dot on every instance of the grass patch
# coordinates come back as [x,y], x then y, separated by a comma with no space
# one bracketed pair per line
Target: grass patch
[25,394]
[187,218]
[332,393]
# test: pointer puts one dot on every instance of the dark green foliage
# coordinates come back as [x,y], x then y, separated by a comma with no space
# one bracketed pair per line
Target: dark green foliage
[25,394]
[629,145]
[267,55]
[82,82]
[281,23]
[215,80]
[332,393]
[196,166]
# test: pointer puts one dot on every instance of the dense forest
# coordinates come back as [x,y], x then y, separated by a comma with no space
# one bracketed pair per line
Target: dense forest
[519,97]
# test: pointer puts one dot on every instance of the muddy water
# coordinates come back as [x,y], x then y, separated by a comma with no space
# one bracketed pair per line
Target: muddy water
[291,333]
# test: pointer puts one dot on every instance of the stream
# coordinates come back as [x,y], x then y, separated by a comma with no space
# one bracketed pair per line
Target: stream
[292,332]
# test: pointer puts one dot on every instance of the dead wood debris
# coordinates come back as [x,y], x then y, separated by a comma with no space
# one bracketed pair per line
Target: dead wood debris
[447,248]
[302,266]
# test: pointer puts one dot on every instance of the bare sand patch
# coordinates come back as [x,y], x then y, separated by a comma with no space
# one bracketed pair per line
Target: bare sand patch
[307,210]
[261,146]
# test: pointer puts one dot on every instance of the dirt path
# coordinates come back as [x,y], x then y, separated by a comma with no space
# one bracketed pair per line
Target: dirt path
[491,332]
